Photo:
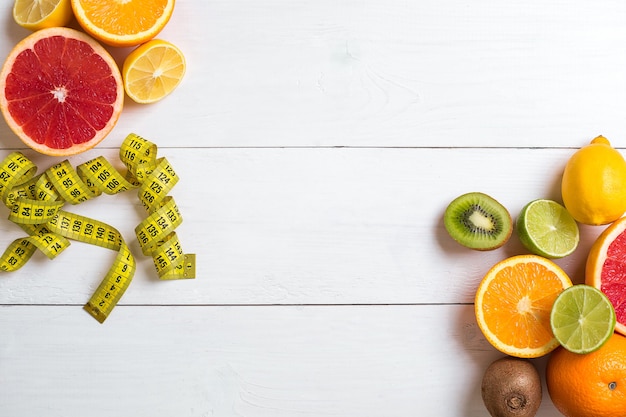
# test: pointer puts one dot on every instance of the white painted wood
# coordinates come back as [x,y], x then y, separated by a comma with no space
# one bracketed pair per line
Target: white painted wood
[318,144]
[309,226]
[245,361]
[294,226]
[393,73]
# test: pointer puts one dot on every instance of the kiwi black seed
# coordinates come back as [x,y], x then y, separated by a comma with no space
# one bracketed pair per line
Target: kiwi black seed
[511,387]
[478,221]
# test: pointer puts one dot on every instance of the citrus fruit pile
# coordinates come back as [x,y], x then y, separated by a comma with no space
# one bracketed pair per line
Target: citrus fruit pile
[526,305]
[61,92]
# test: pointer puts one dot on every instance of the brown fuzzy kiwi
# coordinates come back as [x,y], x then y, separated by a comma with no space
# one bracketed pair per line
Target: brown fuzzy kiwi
[511,387]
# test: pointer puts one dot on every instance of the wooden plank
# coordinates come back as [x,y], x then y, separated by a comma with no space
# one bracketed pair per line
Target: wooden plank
[245,361]
[308,226]
[360,73]
[318,144]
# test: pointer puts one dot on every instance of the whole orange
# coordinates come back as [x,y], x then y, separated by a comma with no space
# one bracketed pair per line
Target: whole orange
[589,385]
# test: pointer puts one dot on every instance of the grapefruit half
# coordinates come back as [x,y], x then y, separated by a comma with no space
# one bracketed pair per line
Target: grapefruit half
[61,92]
[606,268]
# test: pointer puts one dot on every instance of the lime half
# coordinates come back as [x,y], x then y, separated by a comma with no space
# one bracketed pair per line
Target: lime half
[582,318]
[546,228]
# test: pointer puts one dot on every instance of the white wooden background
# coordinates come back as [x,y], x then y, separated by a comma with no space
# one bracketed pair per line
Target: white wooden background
[318,143]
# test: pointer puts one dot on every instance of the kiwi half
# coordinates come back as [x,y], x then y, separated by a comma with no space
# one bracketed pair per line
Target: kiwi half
[478,221]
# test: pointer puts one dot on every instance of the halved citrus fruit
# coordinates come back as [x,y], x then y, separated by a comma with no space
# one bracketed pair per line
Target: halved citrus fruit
[606,268]
[513,304]
[60,91]
[123,23]
[582,318]
[152,71]
[546,228]
[39,14]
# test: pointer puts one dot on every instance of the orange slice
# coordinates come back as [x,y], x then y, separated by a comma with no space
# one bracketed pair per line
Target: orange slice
[123,23]
[152,71]
[61,92]
[513,304]
[606,268]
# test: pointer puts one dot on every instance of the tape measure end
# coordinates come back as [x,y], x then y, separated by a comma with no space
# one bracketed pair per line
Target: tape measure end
[190,265]
[95,313]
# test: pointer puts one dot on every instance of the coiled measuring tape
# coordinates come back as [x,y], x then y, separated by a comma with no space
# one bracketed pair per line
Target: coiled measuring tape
[36,205]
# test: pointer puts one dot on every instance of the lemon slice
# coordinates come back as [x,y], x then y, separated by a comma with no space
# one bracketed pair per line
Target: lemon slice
[582,318]
[152,71]
[39,14]
[546,228]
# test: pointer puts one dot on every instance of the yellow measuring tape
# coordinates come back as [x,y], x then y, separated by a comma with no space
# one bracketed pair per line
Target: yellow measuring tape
[36,202]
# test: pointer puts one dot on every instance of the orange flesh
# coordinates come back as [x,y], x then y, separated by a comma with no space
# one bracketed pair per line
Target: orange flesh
[121,17]
[520,298]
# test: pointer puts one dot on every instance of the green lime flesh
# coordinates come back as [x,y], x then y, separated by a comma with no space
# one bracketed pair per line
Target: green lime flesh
[547,229]
[582,318]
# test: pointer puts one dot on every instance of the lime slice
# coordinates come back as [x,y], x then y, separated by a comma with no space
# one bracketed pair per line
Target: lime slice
[546,228]
[582,318]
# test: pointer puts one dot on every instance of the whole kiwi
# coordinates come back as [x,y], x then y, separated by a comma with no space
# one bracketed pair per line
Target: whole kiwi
[511,387]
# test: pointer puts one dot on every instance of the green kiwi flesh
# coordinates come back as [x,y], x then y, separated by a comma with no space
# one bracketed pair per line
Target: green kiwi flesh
[478,221]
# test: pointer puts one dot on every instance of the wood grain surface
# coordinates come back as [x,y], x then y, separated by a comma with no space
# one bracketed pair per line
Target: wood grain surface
[318,144]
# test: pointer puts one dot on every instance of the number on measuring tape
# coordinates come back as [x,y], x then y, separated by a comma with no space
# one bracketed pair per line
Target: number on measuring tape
[35,204]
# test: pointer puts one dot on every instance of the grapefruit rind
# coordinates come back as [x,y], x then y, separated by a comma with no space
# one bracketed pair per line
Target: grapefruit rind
[28,43]
[492,338]
[595,264]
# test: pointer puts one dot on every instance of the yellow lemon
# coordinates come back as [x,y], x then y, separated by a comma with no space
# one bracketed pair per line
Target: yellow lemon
[594,183]
[40,14]
[152,71]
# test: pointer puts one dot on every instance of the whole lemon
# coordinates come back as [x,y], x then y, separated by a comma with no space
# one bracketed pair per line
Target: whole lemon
[594,183]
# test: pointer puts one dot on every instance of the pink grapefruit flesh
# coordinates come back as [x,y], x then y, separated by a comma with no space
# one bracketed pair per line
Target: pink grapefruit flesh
[606,268]
[61,92]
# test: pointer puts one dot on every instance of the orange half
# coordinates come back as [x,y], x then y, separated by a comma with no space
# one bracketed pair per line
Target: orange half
[123,23]
[513,304]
